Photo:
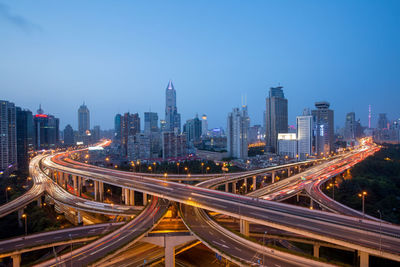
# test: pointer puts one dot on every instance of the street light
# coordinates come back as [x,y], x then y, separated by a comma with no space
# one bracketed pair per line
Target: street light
[362,195]
[202,167]
[177,166]
[26,228]
[7,189]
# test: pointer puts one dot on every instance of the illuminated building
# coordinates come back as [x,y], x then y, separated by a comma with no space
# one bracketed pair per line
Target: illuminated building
[193,130]
[46,130]
[25,142]
[150,122]
[304,134]
[8,137]
[68,136]
[287,144]
[172,117]
[276,116]
[204,125]
[237,130]
[323,128]
[173,145]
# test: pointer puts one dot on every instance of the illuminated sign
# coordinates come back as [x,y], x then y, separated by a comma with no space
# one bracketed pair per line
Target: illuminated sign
[41,116]
[286,136]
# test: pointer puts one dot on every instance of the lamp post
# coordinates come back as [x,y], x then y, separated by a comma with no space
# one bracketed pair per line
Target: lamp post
[362,195]
[7,189]
[177,166]
[26,227]
[202,168]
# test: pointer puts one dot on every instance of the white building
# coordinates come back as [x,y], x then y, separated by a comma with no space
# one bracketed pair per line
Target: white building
[204,125]
[304,135]
[287,144]
[237,130]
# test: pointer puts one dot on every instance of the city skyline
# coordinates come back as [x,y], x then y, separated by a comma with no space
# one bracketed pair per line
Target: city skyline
[302,51]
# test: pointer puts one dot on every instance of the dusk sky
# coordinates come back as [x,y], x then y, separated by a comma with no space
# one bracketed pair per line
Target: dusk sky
[118,56]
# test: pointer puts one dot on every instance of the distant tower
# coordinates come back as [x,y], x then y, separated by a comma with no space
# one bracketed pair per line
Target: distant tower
[83,119]
[369,116]
[172,117]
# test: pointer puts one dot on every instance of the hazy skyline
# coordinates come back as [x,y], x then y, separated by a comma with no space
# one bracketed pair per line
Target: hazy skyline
[119,57]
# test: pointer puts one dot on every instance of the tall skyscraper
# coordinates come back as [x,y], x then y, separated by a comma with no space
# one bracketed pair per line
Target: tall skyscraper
[204,125]
[193,130]
[25,140]
[150,122]
[304,134]
[237,130]
[46,129]
[172,117]
[83,120]
[173,145]
[68,136]
[130,125]
[350,126]
[383,121]
[323,121]
[117,128]
[276,117]
[8,137]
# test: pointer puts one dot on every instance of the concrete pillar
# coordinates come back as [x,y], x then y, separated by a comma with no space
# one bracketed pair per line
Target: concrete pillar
[75,184]
[16,259]
[79,217]
[169,254]
[244,227]
[132,197]
[226,187]
[288,172]
[245,185]
[39,202]
[122,195]
[298,197]
[79,186]
[96,190]
[127,199]
[364,258]
[316,250]
[311,203]
[101,191]
[234,187]
[273,177]
[254,183]
[144,199]
[20,212]
[65,181]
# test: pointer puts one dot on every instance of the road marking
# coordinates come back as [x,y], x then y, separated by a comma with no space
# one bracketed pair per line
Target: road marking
[225,246]
[39,240]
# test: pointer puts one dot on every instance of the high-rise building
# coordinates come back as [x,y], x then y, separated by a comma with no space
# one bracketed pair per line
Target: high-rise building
[46,128]
[96,134]
[237,130]
[172,117]
[117,128]
[193,130]
[150,122]
[350,126]
[276,116]
[83,120]
[323,121]
[25,142]
[8,137]
[130,125]
[287,144]
[255,134]
[304,127]
[204,125]
[139,146]
[173,145]
[383,122]
[69,136]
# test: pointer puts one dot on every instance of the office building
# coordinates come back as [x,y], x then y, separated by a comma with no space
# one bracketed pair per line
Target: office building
[46,128]
[173,145]
[8,137]
[287,145]
[276,117]
[83,120]
[256,134]
[204,125]
[323,121]
[95,134]
[69,139]
[237,132]
[25,142]
[117,128]
[383,122]
[172,117]
[139,146]
[150,122]
[350,127]
[193,130]
[304,128]
[130,125]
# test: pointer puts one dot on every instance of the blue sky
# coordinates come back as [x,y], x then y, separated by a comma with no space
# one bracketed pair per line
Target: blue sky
[118,56]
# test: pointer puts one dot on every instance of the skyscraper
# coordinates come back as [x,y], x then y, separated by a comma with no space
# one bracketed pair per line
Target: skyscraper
[237,130]
[130,125]
[117,128]
[8,136]
[150,122]
[323,121]
[173,145]
[46,129]
[350,126]
[83,120]
[204,125]
[68,136]
[304,134]
[276,117]
[172,117]
[193,130]
[383,121]
[25,142]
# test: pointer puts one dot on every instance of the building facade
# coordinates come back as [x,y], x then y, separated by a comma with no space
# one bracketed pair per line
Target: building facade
[323,120]
[8,137]
[172,117]
[304,128]
[238,123]
[46,128]
[204,125]
[83,120]
[173,145]
[150,122]
[25,141]
[276,117]
[287,145]
[69,139]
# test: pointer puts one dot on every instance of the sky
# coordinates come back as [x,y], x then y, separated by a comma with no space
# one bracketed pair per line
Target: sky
[118,56]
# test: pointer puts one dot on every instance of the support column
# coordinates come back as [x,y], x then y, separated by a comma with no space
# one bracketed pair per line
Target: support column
[65,181]
[79,217]
[127,199]
[234,187]
[144,199]
[132,197]
[364,258]
[101,191]
[80,186]
[244,227]
[316,250]
[298,197]
[39,201]
[75,184]
[254,183]
[16,259]
[96,190]
[288,172]
[169,254]
[226,187]
[20,212]
[273,177]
